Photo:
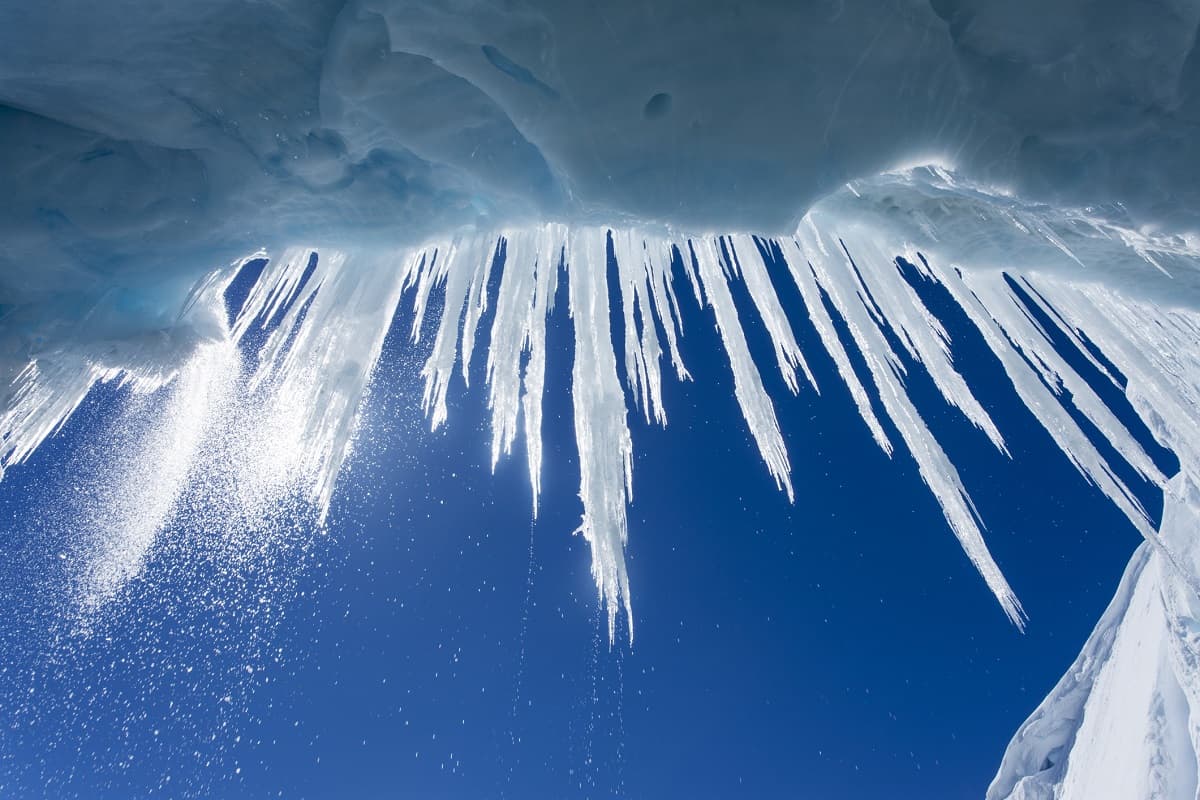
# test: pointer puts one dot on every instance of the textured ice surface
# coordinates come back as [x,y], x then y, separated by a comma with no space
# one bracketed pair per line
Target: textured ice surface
[188,134]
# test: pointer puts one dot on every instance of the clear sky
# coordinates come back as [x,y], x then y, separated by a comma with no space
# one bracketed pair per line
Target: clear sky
[437,643]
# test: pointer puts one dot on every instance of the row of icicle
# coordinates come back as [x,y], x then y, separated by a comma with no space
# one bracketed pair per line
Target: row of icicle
[327,319]
[859,282]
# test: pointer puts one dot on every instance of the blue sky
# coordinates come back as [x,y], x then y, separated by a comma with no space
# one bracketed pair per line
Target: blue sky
[843,647]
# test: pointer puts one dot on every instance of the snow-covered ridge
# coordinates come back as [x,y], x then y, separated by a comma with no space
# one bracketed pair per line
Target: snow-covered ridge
[1121,721]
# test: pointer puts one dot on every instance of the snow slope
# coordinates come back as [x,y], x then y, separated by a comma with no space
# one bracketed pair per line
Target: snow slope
[1122,722]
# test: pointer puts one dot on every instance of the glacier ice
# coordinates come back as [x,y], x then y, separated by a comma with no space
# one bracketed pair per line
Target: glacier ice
[1039,164]
[234,125]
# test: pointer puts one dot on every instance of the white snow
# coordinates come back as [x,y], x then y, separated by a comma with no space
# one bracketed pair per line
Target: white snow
[1121,722]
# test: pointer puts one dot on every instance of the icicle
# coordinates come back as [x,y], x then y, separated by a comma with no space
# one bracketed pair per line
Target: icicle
[1001,325]
[316,365]
[747,384]
[837,277]
[510,336]
[1142,341]
[1067,330]
[551,242]
[277,288]
[42,388]
[758,282]
[477,303]
[476,254]
[601,430]
[802,274]
[643,352]
[40,400]
[658,256]
[1010,312]
[527,285]
[919,332]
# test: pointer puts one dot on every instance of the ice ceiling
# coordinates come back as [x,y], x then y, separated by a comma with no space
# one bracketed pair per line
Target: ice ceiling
[142,135]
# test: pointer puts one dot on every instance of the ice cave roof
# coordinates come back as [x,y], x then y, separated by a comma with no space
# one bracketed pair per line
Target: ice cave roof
[133,132]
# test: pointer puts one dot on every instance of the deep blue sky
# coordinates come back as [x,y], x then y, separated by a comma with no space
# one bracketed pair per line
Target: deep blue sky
[842,647]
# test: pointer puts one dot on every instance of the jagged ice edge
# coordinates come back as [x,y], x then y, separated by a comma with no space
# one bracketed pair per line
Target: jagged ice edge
[869,293]
[328,318]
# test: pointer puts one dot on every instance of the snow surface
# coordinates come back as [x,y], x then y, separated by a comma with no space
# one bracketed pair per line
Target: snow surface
[1122,722]
[417,146]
